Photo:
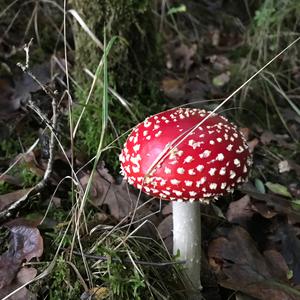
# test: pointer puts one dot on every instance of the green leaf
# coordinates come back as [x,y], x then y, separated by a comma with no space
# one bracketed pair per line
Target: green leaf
[260,186]
[221,79]
[289,274]
[178,9]
[279,189]
[296,204]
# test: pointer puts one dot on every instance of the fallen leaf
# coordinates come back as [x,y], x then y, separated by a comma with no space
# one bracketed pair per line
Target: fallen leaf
[240,211]
[263,209]
[165,230]
[9,198]
[26,240]
[165,227]
[286,235]
[25,243]
[12,180]
[267,137]
[184,56]
[241,267]
[104,191]
[24,275]
[173,88]
[272,204]
[252,144]
[246,132]
[8,102]
[277,264]
[167,210]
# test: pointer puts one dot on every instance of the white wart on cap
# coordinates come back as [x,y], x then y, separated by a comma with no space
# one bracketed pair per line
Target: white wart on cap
[208,161]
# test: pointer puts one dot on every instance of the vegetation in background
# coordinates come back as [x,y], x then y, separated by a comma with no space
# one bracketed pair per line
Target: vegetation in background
[130,74]
[275,25]
[86,213]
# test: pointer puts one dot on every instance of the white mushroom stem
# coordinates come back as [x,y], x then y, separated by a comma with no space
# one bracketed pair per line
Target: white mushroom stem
[187,240]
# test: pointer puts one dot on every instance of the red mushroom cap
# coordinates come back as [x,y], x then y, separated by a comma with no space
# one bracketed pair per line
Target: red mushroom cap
[180,155]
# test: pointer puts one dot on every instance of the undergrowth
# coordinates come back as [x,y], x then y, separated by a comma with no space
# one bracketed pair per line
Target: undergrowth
[275,24]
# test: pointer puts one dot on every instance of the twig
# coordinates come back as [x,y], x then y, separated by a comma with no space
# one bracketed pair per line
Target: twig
[52,125]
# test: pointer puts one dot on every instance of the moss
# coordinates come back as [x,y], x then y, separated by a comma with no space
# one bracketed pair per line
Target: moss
[132,63]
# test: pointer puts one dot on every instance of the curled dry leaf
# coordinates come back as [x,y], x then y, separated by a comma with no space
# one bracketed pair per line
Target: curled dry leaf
[246,132]
[268,205]
[25,243]
[252,144]
[240,266]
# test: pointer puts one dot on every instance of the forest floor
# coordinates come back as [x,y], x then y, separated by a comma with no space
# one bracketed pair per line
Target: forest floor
[71,228]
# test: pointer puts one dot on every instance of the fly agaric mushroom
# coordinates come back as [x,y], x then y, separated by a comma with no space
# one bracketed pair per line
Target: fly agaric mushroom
[186,156]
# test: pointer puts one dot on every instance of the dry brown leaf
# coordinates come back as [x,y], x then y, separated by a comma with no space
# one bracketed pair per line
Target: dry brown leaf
[267,137]
[277,264]
[9,198]
[270,204]
[252,144]
[240,211]
[165,227]
[25,243]
[8,102]
[167,210]
[104,191]
[24,275]
[96,293]
[12,180]
[173,88]
[184,56]
[246,132]
[287,236]
[263,209]
[240,266]
[220,63]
